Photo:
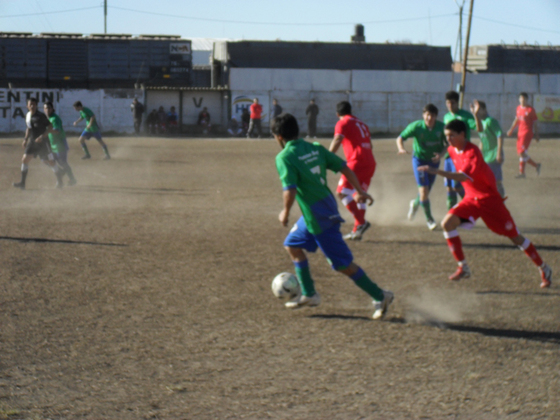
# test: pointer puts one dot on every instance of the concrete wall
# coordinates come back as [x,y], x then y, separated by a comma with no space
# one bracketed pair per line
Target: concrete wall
[388,100]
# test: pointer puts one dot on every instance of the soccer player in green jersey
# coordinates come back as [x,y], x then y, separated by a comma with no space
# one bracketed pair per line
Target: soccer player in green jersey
[452,104]
[428,146]
[302,168]
[91,130]
[491,141]
[59,145]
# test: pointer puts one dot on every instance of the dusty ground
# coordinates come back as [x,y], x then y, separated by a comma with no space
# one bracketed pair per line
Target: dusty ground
[144,292]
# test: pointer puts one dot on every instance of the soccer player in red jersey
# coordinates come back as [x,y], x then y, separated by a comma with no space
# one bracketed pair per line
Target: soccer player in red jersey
[256,113]
[526,118]
[354,136]
[482,200]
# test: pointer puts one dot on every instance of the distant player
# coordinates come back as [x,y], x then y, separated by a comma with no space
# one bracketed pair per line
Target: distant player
[526,119]
[482,200]
[354,136]
[91,130]
[452,105]
[255,122]
[491,141]
[36,143]
[428,147]
[302,168]
[59,145]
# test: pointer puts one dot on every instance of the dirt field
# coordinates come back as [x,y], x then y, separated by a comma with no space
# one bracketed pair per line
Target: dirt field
[144,293]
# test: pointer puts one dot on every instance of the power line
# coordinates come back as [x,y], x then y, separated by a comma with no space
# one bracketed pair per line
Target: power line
[50,13]
[517,26]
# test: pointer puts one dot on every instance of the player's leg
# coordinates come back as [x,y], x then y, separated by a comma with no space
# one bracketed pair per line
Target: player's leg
[345,193]
[61,158]
[83,137]
[251,128]
[424,180]
[340,257]
[259,128]
[47,158]
[24,170]
[529,249]
[99,139]
[451,193]
[497,171]
[296,243]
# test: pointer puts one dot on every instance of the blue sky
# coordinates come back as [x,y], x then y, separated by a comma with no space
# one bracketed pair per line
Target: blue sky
[434,22]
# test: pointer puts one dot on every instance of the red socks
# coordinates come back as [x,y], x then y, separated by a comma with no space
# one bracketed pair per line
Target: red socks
[455,245]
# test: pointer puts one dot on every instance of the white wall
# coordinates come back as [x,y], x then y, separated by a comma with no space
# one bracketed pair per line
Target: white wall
[388,100]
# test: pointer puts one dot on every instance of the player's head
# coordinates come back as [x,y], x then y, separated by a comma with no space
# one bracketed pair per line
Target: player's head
[32,105]
[172,109]
[455,132]
[274,102]
[312,101]
[285,128]
[482,108]
[256,100]
[429,114]
[523,98]
[78,106]
[343,108]
[135,100]
[48,107]
[452,101]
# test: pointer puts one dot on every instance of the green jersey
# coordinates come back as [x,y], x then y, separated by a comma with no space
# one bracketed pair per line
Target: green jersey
[491,130]
[303,166]
[427,141]
[86,114]
[464,116]
[57,140]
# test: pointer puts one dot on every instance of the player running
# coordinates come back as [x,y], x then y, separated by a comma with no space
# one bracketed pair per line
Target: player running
[302,168]
[452,105]
[91,130]
[526,118]
[428,146]
[59,145]
[491,141]
[36,143]
[482,200]
[354,136]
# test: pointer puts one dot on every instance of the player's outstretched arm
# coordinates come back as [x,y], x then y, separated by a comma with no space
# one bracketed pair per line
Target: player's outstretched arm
[363,196]
[336,142]
[455,176]
[513,125]
[77,121]
[289,197]
[400,146]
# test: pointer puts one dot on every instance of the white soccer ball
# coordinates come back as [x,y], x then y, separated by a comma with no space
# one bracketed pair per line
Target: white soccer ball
[285,285]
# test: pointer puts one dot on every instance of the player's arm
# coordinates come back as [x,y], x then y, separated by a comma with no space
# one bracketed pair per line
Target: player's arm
[289,197]
[475,107]
[363,196]
[336,142]
[500,155]
[400,146]
[78,120]
[90,122]
[27,135]
[455,176]
[513,125]
[45,135]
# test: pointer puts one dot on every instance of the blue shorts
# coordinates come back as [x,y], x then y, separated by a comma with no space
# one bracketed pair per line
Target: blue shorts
[330,241]
[423,179]
[449,166]
[496,170]
[87,135]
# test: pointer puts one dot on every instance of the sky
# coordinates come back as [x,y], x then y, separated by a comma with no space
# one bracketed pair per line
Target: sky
[433,22]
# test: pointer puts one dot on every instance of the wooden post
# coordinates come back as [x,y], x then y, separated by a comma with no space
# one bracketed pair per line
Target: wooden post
[464,74]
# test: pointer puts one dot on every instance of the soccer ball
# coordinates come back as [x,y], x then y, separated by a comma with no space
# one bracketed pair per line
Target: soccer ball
[285,285]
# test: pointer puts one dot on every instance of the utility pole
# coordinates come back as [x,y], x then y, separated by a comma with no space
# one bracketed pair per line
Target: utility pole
[105,13]
[464,74]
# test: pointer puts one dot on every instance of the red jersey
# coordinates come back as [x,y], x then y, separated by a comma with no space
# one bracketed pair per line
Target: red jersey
[256,111]
[356,143]
[526,116]
[481,182]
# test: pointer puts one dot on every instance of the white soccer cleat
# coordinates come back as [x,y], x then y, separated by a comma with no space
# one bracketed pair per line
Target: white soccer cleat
[349,236]
[382,306]
[360,230]
[546,276]
[302,300]
[412,209]
[431,224]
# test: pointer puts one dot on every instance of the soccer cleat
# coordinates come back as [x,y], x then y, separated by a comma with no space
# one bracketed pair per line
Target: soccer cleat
[59,185]
[349,236]
[20,185]
[538,168]
[546,276]
[413,208]
[86,157]
[431,224]
[463,272]
[302,300]
[72,182]
[360,230]
[381,307]
[107,157]
[520,176]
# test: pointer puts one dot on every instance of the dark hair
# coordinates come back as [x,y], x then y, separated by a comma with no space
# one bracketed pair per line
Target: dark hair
[49,104]
[482,105]
[286,126]
[344,108]
[456,125]
[524,94]
[32,100]
[452,96]
[77,103]
[431,108]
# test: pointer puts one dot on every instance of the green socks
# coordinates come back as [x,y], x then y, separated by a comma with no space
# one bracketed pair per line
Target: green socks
[304,276]
[427,210]
[363,282]
[85,149]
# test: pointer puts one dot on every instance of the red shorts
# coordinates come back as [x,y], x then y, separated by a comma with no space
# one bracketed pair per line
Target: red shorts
[364,175]
[492,210]
[523,142]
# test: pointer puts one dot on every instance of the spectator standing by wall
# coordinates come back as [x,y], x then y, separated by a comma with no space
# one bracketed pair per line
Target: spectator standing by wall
[152,122]
[137,110]
[204,120]
[312,111]
[256,113]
